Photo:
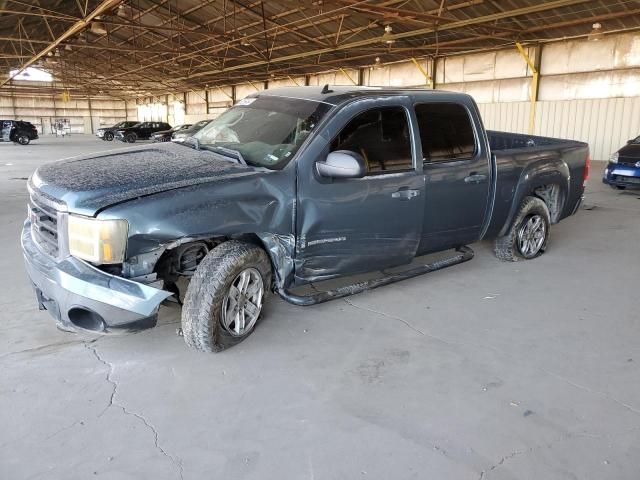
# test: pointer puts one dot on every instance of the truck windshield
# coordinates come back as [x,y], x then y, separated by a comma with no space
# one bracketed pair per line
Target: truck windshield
[266,131]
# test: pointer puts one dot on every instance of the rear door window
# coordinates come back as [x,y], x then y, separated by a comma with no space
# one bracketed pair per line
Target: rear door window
[446,132]
[382,137]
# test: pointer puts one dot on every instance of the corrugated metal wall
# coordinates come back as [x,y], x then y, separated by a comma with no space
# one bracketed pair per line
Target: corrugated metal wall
[604,123]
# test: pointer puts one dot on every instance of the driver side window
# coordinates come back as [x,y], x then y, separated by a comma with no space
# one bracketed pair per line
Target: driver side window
[382,137]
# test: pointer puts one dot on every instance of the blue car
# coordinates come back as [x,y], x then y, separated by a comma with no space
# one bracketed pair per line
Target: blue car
[623,169]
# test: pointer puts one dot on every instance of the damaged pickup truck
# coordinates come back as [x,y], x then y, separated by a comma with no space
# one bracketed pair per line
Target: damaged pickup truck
[288,188]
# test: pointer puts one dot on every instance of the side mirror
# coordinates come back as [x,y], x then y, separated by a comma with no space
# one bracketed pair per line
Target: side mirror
[342,164]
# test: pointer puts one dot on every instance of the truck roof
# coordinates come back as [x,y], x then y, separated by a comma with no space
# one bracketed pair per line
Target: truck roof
[338,94]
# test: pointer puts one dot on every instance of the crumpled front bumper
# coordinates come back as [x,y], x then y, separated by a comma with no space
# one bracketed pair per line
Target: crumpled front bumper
[80,296]
[622,175]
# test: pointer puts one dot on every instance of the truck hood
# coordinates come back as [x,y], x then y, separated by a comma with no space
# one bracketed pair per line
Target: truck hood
[91,183]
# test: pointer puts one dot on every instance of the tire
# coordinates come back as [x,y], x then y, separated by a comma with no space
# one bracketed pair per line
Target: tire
[620,187]
[108,136]
[23,139]
[510,246]
[203,320]
[131,138]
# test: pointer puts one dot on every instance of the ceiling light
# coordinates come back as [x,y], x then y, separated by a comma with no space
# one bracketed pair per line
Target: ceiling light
[98,28]
[596,32]
[387,37]
[244,41]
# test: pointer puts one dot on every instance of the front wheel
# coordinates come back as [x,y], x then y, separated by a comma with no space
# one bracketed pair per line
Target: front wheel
[108,136]
[225,297]
[528,235]
[131,138]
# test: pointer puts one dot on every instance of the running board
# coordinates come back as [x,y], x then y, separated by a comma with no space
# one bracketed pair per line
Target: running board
[463,254]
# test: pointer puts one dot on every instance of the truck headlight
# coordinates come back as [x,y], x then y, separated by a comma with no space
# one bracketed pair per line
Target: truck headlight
[97,241]
[614,158]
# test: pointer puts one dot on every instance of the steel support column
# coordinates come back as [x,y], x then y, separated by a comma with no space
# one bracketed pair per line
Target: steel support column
[534,66]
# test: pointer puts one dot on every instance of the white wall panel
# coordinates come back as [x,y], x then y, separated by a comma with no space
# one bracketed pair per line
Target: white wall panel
[247,89]
[604,123]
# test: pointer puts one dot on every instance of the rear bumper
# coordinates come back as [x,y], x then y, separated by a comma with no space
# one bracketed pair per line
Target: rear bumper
[622,175]
[79,296]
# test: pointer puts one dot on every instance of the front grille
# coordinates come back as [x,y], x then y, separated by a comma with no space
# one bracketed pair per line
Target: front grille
[622,178]
[44,226]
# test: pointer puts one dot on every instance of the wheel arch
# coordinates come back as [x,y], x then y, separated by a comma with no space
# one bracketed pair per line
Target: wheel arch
[549,182]
[279,249]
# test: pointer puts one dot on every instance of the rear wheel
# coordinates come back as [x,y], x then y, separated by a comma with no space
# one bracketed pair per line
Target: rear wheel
[528,235]
[225,297]
[23,139]
[131,138]
[108,136]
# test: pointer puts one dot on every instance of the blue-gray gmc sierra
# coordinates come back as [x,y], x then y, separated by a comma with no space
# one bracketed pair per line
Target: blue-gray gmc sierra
[288,187]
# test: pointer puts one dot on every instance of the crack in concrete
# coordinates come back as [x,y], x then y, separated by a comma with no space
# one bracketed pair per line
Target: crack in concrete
[430,335]
[42,347]
[584,388]
[627,406]
[515,453]
[177,461]
[393,317]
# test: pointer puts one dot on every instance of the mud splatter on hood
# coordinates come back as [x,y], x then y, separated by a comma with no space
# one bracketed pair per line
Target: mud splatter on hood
[90,183]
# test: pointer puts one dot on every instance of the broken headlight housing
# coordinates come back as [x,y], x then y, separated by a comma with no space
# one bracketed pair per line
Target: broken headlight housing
[97,241]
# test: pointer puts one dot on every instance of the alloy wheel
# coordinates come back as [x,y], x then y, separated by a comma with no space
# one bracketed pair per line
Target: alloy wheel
[243,303]
[531,236]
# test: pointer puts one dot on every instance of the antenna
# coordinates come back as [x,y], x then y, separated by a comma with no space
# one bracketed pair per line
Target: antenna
[326,89]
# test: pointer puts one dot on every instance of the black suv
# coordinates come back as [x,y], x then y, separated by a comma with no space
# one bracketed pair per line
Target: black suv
[141,131]
[109,132]
[17,131]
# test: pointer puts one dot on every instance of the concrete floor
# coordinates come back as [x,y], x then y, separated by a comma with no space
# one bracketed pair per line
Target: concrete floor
[486,370]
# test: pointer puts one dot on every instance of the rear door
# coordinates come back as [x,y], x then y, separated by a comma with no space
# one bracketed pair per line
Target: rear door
[347,226]
[457,174]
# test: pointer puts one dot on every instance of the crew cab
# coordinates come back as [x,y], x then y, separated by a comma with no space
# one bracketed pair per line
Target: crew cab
[289,187]
[17,131]
[140,131]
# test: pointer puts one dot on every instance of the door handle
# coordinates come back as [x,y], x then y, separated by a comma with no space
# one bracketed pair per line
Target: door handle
[405,194]
[475,178]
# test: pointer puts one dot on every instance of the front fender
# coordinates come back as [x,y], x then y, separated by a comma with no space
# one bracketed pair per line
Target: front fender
[260,206]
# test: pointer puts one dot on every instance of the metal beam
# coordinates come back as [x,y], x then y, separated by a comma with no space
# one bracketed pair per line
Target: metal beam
[80,25]
[413,33]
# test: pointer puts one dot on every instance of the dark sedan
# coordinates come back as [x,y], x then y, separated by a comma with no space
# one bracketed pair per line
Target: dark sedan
[623,169]
[165,135]
[141,131]
[107,133]
[182,135]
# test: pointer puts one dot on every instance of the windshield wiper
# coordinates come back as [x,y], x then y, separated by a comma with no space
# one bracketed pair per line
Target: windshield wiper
[227,152]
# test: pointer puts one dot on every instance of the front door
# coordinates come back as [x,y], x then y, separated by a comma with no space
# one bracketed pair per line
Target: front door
[348,226]
[457,175]
[5,133]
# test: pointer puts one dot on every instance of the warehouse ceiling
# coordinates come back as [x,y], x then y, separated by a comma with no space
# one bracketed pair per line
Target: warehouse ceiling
[142,47]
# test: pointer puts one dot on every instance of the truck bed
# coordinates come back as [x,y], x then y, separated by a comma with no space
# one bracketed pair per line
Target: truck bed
[511,141]
[522,157]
